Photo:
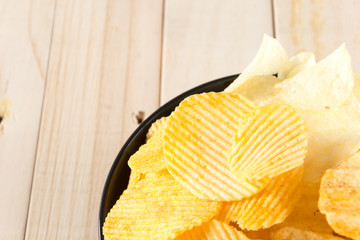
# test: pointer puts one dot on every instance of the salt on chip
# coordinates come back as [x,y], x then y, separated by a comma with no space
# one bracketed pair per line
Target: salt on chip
[328,83]
[268,207]
[197,137]
[260,89]
[157,208]
[340,197]
[156,126]
[150,156]
[269,143]
[298,63]
[291,233]
[213,230]
[271,58]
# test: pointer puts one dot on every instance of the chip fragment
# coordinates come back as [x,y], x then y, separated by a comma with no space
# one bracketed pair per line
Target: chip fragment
[213,230]
[197,137]
[156,126]
[271,142]
[291,233]
[157,208]
[340,197]
[150,156]
[268,207]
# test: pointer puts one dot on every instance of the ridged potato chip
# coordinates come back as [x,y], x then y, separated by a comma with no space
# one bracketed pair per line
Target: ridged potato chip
[150,156]
[340,197]
[156,126]
[328,83]
[271,58]
[213,230]
[291,233]
[269,143]
[298,63]
[268,207]
[157,208]
[197,137]
[306,214]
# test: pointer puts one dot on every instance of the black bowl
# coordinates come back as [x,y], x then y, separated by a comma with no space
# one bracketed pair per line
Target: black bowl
[118,176]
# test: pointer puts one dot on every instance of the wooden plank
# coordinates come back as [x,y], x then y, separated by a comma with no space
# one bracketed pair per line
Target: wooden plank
[25,31]
[104,66]
[204,40]
[319,26]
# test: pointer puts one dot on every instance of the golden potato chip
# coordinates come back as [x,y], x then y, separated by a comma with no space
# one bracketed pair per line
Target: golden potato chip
[328,83]
[134,178]
[268,207]
[340,197]
[298,63]
[150,156]
[259,89]
[291,233]
[157,208]
[156,126]
[306,214]
[197,137]
[269,143]
[271,58]
[213,230]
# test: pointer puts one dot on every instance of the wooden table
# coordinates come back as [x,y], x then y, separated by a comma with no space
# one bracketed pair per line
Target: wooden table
[78,72]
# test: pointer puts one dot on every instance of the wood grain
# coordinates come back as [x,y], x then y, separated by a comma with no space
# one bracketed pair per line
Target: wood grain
[319,26]
[204,40]
[104,66]
[25,30]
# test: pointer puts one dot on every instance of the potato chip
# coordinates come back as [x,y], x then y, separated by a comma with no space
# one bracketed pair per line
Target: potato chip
[157,208]
[306,214]
[328,83]
[156,126]
[291,233]
[268,207]
[340,197]
[213,230]
[134,178]
[298,63]
[150,156]
[197,137]
[259,89]
[357,85]
[269,143]
[271,58]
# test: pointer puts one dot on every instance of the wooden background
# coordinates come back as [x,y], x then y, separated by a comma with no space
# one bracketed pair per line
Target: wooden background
[78,72]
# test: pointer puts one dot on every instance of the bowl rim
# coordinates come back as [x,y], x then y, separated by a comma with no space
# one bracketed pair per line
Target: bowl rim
[151,118]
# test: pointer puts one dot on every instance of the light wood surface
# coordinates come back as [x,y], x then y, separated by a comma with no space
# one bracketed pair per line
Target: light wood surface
[78,72]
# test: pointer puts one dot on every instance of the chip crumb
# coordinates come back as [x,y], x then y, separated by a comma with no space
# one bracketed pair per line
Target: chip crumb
[139,116]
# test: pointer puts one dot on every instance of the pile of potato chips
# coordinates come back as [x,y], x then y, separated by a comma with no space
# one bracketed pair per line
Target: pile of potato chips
[275,156]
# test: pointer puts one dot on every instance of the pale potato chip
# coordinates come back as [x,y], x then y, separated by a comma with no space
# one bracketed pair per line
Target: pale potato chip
[157,208]
[213,230]
[268,207]
[333,134]
[156,126]
[357,85]
[271,58]
[306,214]
[340,197]
[259,89]
[269,143]
[291,233]
[197,137]
[134,178]
[298,63]
[329,83]
[150,156]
